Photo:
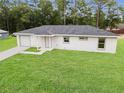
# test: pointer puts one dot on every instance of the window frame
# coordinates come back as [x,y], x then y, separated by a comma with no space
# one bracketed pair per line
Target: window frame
[102,43]
[68,39]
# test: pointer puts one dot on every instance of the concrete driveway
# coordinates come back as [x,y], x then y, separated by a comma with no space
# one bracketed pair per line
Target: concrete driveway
[11,52]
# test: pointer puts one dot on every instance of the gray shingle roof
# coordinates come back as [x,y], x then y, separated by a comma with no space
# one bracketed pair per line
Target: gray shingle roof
[68,30]
[2,31]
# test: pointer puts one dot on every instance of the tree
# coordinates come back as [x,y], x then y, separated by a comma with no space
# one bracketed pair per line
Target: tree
[19,15]
[112,16]
[84,13]
[4,10]
[47,11]
[62,6]
[99,6]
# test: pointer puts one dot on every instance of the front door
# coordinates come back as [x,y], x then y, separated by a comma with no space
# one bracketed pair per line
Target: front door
[47,42]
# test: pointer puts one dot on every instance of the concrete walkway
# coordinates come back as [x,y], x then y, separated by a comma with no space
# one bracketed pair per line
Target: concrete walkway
[11,52]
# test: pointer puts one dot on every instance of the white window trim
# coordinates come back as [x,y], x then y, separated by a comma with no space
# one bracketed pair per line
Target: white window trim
[102,49]
[64,40]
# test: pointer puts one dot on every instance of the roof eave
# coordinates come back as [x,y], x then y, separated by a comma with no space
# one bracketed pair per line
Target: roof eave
[85,35]
[45,35]
[23,34]
[116,36]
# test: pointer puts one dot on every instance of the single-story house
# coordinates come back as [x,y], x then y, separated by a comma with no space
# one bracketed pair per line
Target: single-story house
[3,34]
[69,37]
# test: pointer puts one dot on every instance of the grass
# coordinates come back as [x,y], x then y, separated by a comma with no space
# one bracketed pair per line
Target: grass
[33,49]
[8,43]
[62,71]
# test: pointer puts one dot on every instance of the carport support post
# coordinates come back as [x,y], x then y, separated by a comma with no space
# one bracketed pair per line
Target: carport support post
[37,43]
[18,40]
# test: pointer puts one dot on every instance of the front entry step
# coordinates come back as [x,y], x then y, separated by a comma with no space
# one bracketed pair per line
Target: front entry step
[34,53]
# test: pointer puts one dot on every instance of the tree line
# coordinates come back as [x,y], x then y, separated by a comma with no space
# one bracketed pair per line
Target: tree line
[16,15]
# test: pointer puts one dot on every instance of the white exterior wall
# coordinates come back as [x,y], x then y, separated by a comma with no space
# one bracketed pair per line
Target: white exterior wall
[111,45]
[76,44]
[90,45]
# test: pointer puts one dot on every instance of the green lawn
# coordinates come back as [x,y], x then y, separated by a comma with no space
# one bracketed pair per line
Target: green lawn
[8,43]
[62,71]
[32,49]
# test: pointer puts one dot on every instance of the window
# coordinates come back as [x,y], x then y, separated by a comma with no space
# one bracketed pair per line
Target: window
[83,38]
[66,39]
[101,43]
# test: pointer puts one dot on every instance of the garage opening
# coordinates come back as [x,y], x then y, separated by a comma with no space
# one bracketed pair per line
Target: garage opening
[25,41]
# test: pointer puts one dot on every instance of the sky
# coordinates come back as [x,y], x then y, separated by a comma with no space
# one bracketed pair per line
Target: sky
[121,2]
